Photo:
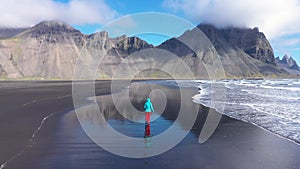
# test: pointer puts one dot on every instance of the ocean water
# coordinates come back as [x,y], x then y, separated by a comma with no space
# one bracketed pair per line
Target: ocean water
[271,104]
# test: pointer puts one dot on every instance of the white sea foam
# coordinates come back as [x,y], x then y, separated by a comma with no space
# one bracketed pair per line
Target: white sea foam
[271,104]
[281,88]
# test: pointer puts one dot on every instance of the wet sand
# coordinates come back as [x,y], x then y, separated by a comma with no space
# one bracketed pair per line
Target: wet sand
[61,143]
[24,105]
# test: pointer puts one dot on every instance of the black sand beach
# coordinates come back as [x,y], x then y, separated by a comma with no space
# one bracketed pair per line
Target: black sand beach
[61,143]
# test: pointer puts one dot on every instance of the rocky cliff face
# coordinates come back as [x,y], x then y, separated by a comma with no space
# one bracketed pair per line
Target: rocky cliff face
[51,49]
[250,41]
[130,45]
[54,32]
[243,52]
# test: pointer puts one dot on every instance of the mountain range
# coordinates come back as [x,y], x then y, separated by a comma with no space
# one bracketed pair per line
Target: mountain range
[288,64]
[52,49]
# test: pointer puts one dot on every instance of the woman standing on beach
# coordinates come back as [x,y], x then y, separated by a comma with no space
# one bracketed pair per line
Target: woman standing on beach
[148,110]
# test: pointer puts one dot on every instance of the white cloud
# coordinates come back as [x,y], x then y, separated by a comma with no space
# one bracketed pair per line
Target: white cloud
[296,49]
[121,26]
[290,42]
[21,13]
[274,18]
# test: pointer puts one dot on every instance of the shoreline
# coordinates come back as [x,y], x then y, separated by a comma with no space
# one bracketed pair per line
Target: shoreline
[154,78]
[256,125]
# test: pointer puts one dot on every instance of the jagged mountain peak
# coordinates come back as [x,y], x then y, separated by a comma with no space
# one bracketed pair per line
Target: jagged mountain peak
[288,64]
[285,59]
[51,28]
[53,24]
[288,61]
[54,32]
[135,40]
[102,34]
[132,44]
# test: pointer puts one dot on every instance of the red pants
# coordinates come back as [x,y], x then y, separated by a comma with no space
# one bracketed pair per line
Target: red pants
[147,117]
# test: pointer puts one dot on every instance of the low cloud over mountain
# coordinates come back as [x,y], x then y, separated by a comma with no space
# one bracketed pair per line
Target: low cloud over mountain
[275,18]
[25,13]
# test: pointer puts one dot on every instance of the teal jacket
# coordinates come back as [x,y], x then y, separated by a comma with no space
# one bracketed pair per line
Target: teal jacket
[148,106]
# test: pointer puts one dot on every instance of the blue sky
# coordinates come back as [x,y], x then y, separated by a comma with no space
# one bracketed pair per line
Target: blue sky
[279,20]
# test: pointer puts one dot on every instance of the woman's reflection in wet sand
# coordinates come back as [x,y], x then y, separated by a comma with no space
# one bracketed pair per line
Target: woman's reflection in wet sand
[148,136]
